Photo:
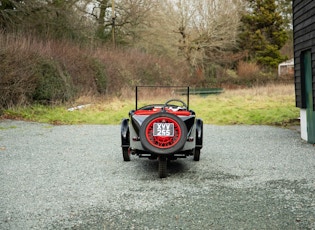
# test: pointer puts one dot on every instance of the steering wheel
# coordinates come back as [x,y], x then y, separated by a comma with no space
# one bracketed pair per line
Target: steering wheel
[167,104]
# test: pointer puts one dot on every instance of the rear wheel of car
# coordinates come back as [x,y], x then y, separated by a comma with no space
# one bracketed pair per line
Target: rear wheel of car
[196,154]
[162,167]
[126,154]
[169,139]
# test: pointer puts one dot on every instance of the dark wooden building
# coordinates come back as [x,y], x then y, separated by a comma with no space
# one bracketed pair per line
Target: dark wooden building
[304,64]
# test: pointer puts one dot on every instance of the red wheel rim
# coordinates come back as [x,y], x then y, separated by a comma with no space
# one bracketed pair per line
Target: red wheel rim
[163,142]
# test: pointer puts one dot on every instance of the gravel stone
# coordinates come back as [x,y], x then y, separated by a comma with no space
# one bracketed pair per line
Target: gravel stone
[74,177]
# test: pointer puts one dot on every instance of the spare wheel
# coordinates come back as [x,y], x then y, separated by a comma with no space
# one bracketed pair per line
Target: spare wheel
[163,133]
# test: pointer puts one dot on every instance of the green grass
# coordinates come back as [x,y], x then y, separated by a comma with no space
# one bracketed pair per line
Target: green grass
[94,114]
[240,110]
[10,127]
[272,105]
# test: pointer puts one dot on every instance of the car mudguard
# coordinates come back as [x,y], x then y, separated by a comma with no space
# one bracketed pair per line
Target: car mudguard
[199,133]
[125,141]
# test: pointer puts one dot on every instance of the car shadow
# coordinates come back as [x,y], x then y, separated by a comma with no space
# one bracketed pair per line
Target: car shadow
[178,166]
[150,167]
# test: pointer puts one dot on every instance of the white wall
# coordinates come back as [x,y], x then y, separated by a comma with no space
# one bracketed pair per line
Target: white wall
[303,123]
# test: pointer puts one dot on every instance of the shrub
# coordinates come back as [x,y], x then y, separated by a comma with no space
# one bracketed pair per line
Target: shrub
[126,68]
[248,70]
[100,76]
[17,77]
[51,71]
[53,84]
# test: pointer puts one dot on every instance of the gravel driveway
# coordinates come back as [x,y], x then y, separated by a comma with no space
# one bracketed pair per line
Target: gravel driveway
[73,177]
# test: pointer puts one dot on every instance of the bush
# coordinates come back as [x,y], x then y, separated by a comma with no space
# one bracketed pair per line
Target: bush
[128,68]
[248,70]
[53,84]
[17,77]
[51,71]
[100,76]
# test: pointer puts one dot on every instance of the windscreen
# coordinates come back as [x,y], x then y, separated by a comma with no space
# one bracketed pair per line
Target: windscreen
[147,95]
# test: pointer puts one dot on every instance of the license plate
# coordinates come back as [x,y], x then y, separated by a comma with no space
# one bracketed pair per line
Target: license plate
[163,129]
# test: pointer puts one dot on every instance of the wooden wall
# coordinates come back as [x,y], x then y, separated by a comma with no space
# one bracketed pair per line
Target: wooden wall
[304,39]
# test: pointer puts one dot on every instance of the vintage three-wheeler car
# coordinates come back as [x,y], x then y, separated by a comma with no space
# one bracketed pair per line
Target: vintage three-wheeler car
[162,131]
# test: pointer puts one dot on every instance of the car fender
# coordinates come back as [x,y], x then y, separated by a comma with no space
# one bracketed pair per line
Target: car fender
[125,142]
[199,133]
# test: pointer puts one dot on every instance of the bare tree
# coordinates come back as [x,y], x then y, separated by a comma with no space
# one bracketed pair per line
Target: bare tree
[129,18]
[206,28]
[197,31]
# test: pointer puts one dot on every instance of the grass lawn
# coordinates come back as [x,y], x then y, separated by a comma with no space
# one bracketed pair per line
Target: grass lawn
[268,105]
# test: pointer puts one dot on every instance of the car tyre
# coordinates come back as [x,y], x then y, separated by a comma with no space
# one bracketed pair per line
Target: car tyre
[196,154]
[162,167]
[126,154]
[147,138]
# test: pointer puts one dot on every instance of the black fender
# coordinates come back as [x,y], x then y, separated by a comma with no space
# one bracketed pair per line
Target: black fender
[199,133]
[125,141]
